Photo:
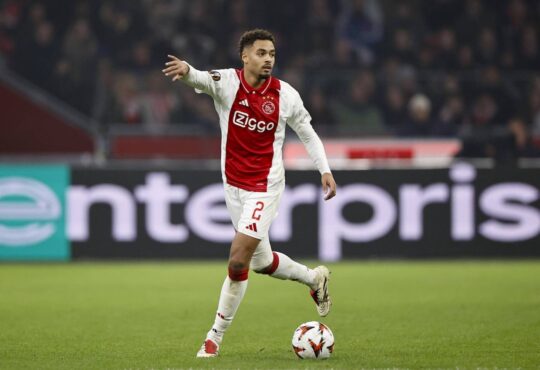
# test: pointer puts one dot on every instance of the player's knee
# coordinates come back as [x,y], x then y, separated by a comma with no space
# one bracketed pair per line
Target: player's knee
[259,265]
[237,265]
[238,270]
[268,268]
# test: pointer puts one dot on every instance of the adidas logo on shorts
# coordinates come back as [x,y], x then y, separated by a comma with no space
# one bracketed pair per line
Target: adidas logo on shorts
[252,227]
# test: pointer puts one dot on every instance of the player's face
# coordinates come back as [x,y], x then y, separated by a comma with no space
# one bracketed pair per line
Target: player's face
[259,58]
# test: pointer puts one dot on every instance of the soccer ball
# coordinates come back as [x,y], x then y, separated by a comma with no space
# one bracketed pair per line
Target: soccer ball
[313,339]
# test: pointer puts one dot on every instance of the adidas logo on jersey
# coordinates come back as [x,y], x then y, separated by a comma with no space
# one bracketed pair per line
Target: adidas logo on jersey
[244,103]
[252,227]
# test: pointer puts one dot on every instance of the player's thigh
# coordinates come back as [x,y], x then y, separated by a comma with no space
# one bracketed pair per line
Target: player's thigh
[242,249]
[234,204]
[262,257]
[258,211]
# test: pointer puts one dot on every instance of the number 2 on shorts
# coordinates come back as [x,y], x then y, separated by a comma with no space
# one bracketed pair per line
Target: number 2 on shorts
[260,207]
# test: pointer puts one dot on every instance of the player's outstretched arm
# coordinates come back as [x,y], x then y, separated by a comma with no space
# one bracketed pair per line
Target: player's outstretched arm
[176,68]
[201,81]
[329,185]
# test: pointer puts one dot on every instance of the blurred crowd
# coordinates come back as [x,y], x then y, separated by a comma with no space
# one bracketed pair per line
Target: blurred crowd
[409,68]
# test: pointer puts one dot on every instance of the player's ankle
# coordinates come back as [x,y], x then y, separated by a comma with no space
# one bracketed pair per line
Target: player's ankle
[215,335]
[313,279]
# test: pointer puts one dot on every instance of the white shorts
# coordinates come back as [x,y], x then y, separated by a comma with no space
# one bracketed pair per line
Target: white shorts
[252,212]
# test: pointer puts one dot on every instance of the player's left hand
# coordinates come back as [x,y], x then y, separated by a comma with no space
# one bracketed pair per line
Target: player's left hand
[329,186]
[175,67]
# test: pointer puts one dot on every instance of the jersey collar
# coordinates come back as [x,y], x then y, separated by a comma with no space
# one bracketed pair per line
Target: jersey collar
[261,89]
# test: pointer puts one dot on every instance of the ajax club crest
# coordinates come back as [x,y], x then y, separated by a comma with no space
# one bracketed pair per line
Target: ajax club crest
[268,107]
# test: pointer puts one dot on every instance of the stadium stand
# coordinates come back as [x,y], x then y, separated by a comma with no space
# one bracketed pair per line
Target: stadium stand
[466,70]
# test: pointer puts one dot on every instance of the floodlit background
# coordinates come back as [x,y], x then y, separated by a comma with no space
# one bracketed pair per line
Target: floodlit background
[452,70]
[430,116]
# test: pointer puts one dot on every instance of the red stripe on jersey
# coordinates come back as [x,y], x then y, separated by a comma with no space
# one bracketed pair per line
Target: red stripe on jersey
[251,132]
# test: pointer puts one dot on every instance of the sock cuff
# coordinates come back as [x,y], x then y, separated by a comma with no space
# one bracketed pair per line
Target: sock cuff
[275,264]
[221,316]
[238,275]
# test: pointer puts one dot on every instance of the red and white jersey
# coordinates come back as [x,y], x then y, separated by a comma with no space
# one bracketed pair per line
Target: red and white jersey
[253,123]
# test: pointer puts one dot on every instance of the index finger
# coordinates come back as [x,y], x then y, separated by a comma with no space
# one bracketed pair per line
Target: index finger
[173,57]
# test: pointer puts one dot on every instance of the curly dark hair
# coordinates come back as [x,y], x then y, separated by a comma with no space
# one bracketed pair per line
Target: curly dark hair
[249,37]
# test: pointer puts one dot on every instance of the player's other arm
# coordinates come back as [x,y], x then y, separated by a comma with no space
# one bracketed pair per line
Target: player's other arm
[300,122]
[181,70]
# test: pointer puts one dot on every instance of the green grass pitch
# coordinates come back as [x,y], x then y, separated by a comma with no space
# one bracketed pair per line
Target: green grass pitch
[459,314]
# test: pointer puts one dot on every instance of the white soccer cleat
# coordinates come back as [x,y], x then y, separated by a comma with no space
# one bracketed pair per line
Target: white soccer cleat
[208,349]
[320,295]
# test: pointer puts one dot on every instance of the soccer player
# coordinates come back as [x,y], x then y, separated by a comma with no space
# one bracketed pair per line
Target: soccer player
[253,109]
